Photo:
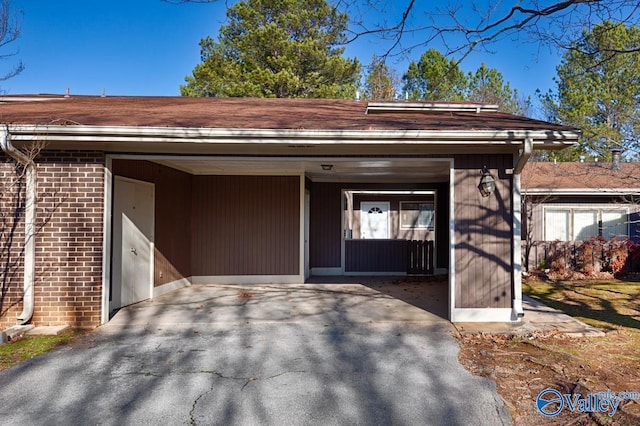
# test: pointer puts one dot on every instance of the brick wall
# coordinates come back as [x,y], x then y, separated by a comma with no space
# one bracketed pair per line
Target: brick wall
[68,286]
[11,240]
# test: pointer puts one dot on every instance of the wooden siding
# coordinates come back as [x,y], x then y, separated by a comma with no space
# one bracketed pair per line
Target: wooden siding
[172,257]
[442,225]
[376,256]
[325,219]
[483,237]
[246,225]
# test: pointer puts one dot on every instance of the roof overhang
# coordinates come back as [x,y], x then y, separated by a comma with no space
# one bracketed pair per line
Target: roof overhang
[591,192]
[281,141]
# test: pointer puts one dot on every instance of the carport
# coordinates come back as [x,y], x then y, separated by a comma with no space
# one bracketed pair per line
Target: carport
[183,220]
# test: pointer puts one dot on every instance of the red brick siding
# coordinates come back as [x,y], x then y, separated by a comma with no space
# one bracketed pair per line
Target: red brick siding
[11,240]
[68,287]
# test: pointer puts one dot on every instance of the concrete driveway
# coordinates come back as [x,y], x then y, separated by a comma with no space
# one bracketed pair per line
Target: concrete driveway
[322,353]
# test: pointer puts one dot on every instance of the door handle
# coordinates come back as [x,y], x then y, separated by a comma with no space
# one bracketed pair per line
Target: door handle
[134,251]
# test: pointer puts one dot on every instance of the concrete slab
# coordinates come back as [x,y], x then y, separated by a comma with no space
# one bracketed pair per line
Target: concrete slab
[47,330]
[312,302]
[537,317]
[319,354]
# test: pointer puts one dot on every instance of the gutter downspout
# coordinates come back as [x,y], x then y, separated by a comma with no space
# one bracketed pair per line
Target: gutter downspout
[29,223]
[523,157]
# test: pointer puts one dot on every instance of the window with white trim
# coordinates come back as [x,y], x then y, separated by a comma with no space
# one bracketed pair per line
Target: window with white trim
[581,224]
[417,215]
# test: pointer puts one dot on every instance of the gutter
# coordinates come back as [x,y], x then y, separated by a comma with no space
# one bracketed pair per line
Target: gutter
[527,149]
[94,134]
[523,157]
[29,223]
[583,191]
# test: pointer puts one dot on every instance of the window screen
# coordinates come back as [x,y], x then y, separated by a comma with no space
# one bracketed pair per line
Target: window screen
[556,225]
[614,224]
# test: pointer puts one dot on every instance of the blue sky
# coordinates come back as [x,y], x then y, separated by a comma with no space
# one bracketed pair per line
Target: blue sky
[147,47]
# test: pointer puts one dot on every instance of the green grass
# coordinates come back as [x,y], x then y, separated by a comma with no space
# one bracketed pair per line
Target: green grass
[29,347]
[601,304]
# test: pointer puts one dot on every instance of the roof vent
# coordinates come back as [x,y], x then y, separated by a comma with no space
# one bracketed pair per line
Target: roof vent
[615,159]
[380,107]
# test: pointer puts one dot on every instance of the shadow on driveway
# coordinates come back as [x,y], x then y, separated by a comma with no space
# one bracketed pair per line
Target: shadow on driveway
[318,353]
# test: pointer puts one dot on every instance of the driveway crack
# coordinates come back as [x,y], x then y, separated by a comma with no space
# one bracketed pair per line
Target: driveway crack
[192,420]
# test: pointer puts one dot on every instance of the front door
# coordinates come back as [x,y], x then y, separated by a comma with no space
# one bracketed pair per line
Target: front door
[374,220]
[133,216]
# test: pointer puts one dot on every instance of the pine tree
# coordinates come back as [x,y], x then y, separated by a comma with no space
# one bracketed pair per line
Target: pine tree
[598,90]
[276,48]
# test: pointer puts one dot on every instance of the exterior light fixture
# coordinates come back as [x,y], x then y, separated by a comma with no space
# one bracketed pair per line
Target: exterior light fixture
[487,183]
[327,167]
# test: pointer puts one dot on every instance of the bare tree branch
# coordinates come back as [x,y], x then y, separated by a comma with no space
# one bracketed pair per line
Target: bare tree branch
[466,26]
[9,32]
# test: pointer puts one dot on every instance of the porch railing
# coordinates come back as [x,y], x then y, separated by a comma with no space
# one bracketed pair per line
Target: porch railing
[420,257]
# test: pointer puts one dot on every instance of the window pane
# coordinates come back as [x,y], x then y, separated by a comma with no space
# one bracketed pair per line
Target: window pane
[556,225]
[585,224]
[614,224]
[416,215]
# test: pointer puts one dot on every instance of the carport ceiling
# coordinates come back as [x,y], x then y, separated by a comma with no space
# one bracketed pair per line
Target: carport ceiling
[341,169]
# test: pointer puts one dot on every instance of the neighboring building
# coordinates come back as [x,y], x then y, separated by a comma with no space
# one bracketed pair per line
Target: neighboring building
[137,196]
[580,200]
[570,203]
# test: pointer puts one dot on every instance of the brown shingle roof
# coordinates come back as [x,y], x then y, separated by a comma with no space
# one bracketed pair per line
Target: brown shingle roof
[546,175]
[251,113]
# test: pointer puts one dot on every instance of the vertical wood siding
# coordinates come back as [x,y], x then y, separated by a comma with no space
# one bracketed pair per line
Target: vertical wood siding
[246,225]
[483,238]
[376,256]
[325,225]
[172,256]
[442,226]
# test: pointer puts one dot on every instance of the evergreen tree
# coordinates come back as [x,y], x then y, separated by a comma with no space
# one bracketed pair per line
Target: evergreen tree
[276,48]
[598,91]
[487,85]
[434,78]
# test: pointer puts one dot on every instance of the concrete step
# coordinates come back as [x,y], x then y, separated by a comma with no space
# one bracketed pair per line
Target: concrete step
[47,330]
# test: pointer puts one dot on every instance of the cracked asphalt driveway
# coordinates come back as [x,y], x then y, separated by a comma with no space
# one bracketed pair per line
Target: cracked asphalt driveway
[326,354]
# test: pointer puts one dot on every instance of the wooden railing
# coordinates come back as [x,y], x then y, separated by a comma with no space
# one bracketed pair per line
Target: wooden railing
[420,257]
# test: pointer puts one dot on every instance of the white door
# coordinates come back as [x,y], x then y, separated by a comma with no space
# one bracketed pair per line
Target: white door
[132,275]
[374,219]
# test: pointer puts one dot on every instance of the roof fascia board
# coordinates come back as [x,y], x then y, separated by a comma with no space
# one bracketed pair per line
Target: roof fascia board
[173,134]
[593,192]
